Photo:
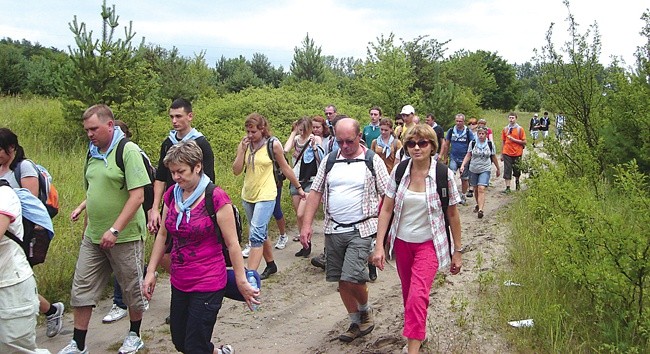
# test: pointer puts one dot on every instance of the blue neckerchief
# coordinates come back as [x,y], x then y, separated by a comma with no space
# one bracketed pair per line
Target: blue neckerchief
[184,205]
[479,144]
[380,143]
[34,210]
[457,135]
[193,135]
[511,127]
[309,154]
[94,150]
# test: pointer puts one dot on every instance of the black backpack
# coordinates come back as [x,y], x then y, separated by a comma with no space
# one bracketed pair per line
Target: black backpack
[277,172]
[441,188]
[209,206]
[36,240]
[147,204]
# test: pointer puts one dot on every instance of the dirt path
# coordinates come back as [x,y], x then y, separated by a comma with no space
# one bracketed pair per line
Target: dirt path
[301,313]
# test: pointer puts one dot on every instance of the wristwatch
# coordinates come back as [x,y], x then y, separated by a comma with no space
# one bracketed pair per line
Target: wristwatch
[114,231]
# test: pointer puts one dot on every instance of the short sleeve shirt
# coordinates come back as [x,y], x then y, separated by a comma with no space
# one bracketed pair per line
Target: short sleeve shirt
[108,191]
[14,267]
[27,169]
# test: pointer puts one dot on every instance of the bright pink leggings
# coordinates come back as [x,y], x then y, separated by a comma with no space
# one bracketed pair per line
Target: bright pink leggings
[417,264]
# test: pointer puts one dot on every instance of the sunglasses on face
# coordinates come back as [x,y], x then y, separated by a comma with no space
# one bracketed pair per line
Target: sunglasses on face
[422,144]
[399,123]
[343,142]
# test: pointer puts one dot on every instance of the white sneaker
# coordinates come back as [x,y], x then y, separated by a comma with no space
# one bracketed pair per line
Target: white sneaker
[226,349]
[71,348]
[132,343]
[282,242]
[55,320]
[116,313]
[246,251]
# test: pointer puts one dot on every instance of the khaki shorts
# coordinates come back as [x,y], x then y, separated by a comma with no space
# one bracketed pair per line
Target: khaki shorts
[18,311]
[347,257]
[94,268]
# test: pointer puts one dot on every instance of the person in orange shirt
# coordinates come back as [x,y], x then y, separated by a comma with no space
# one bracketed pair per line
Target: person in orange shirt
[514,141]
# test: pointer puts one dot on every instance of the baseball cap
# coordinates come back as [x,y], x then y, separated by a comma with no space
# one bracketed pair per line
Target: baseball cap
[408,109]
[535,115]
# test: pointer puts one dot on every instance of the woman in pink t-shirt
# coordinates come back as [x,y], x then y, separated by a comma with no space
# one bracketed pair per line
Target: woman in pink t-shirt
[198,269]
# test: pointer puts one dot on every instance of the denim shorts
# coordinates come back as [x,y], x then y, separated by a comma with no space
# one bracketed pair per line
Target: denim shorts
[454,165]
[479,179]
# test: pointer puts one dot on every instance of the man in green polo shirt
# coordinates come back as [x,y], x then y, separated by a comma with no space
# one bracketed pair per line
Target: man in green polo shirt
[113,239]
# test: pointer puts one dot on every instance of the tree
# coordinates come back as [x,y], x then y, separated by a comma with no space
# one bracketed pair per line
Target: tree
[109,70]
[469,70]
[13,69]
[504,96]
[263,69]
[236,74]
[307,64]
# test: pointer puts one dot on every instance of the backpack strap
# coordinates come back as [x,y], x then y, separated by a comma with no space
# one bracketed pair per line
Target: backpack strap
[18,173]
[209,207]
[443,193]
[119,158]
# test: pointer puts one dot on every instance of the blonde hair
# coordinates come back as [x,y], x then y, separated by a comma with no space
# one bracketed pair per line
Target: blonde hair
[185,152]
[423,131]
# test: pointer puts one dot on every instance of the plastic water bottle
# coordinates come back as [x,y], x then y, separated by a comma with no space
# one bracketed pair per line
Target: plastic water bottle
[253,282]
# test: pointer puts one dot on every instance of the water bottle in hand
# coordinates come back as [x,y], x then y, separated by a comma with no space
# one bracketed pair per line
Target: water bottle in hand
[250,276]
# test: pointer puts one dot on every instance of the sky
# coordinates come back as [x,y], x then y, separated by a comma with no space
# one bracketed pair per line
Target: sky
[511,28]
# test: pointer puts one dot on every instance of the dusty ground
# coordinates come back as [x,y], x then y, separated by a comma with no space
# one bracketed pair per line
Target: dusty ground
[301,313]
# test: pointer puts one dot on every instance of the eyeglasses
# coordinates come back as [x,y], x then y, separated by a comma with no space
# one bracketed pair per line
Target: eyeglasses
[473,123]
[343,142]
[422,144]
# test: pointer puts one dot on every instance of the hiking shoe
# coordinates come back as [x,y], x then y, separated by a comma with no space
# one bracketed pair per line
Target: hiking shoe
[507,191]
[226,349]
[116,313]
[268,271]
[55,320]
[351,334]
[304,252]
[480,214]
[476,208]
[246,251]
[470,193]
[367,322]
[282,242]
[517,186]
[372,272]
[132,343]
[319,261]
[72,348]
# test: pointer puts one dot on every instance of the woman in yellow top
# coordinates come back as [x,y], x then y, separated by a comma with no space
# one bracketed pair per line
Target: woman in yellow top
[259,191]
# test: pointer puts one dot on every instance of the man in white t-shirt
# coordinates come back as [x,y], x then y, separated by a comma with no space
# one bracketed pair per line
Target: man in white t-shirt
[18,293]
[351,195]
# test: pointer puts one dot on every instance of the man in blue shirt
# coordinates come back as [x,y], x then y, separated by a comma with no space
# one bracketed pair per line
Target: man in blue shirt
[459,136]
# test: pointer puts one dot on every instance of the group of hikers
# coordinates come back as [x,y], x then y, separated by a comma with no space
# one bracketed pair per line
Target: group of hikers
[385,188]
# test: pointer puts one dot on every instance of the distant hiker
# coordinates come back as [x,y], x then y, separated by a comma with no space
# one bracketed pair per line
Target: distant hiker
[12,155]
[535,125]
[560,122]
[545,122]
[260,188]
[351,195]
[458,137]
[417,236]
[198,271]
[513,137]
[115,229]
[480,156]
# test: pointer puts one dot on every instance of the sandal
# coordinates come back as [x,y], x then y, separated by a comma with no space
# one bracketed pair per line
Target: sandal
[480,214]
[476,208]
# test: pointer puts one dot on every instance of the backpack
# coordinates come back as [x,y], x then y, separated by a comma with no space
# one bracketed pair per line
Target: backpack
[277,172]
[36,240]
[490,145]
[441,189]
[47,193]
[331,160]
[209,206]
[147,204]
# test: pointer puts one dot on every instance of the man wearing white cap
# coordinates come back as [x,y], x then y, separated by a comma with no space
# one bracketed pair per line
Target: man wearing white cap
[535,125]
[407,116]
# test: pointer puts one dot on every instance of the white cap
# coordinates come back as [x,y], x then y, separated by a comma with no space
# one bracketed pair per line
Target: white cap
[408,109]
[535,115]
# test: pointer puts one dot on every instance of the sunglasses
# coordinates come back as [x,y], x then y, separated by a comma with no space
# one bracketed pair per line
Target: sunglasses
[343,142]
[422,144]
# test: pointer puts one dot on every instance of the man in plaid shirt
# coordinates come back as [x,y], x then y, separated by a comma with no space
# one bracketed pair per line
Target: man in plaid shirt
[351,196]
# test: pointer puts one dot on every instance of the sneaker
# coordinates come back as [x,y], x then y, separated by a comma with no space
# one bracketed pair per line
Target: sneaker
[507,191]
[517,186]
[372,272]
[351,334]
[132,343]
[116,313]
[246,251]
[55,320]
[463,199]
[268,271]
[480,214]
[71,348]
[470,193]
[304,252]
[367,322]
[319,261]
[226,349]
[476,208]
[282,242]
